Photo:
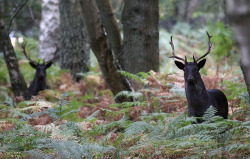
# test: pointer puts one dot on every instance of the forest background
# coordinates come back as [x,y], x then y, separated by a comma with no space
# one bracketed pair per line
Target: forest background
[95,109]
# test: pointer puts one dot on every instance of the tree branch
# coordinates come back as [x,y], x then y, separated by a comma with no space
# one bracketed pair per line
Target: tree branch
[32,15]
[15,14]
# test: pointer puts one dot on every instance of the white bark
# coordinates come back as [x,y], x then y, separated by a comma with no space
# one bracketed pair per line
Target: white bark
[49,29]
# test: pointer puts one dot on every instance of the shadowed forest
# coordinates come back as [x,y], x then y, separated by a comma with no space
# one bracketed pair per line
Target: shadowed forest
[100,79]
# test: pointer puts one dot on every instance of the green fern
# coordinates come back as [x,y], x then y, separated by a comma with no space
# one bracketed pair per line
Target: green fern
[92,116]
[137,128]
[132,76]
[128,104]
[62,102]
[22,138]
[128,94]
[120,124]
[71,149]
[178,90]
[209,114]
[39,154]
[214,135]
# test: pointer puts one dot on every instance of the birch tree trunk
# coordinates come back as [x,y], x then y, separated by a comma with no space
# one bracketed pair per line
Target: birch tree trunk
[239,12]
[49,29]
[74,45]
[18,84]
[141,35]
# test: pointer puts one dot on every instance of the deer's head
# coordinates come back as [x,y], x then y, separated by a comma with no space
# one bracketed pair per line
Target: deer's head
[40,68]
[191,69]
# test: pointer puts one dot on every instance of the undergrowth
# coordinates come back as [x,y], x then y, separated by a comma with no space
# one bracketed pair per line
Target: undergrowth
[115,132]
[87,123]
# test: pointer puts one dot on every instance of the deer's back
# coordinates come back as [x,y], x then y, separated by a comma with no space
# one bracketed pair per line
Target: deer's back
[219,101]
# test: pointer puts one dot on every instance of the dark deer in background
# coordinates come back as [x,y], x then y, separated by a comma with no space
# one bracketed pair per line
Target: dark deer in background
[199,98]
[39,82]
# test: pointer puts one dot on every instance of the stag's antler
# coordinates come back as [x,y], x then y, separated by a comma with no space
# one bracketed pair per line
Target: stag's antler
[25,54]
[174,55]
[208,48]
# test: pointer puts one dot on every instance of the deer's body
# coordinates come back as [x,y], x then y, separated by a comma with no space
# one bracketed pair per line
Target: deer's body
[199,98]
[37,86]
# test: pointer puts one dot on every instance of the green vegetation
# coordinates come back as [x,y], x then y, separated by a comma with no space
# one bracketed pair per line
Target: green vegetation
[81,120]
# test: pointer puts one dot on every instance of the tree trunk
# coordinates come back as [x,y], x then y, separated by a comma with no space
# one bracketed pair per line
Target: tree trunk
[141,35]
[49,29]
[239,12]
[112,29]
[18,83]
[74,46]
[98,43]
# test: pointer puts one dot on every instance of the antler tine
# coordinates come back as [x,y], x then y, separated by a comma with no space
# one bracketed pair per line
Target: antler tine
[208,48]
[25,54]
[53,55]
[174,55]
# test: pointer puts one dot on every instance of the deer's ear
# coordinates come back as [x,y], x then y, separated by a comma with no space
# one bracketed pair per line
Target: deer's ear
[33,65]
[201,63]
[48,64]
[179,65]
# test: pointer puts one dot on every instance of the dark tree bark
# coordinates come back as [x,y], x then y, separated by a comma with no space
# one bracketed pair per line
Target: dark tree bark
[239,12]
[98,43]
[112,29]
[18,84]
[141,35]
[74,46]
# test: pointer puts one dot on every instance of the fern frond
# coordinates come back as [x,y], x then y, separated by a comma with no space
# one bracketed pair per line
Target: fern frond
[69,112]
[137,128]
[32,109]
[92,116]
[39,154]
[236,147]
[209,114]
[71,149]
[63,102]
[178,90]
[245,97]
[64,134]
[37,106]
[132,76]
[47,128]
[122,123]
[128,94]
[85,125]
[156,133]
[128,104]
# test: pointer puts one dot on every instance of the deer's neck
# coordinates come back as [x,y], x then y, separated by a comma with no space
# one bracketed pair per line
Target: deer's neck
[197,95]
[40,83]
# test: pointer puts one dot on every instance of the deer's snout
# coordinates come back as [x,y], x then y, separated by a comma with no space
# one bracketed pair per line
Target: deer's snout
[190,78]
[41,75]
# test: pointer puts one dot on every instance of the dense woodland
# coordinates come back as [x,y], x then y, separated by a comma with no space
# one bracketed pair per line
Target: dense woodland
[93,78]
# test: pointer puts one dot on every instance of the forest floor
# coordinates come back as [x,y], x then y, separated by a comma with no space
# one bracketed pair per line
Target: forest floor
[141,129]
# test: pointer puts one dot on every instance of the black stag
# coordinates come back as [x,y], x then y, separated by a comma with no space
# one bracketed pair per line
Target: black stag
[199,98]
[39,82]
